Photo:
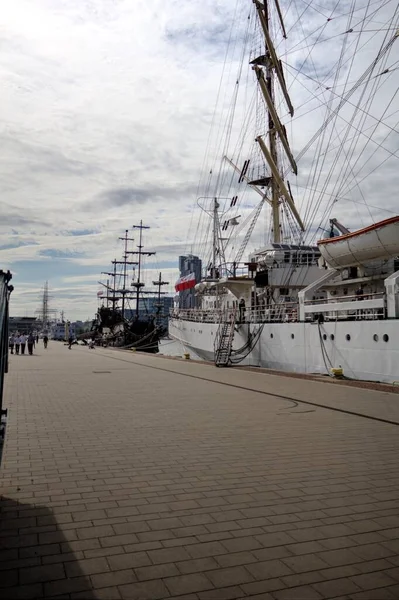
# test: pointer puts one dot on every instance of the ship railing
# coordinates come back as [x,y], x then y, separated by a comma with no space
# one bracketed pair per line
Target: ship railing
[285,312]
[278,313]
[198,315]
[364,306]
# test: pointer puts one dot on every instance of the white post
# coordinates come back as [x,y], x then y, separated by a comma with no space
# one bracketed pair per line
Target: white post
[304,295]
[392,291]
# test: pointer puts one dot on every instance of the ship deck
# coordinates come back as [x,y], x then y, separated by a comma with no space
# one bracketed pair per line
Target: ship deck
[131,476]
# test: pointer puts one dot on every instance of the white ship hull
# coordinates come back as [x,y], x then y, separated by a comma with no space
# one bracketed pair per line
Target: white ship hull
[298,347]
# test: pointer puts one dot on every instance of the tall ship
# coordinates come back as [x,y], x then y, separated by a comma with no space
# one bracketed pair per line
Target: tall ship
[305,279]
[124,317]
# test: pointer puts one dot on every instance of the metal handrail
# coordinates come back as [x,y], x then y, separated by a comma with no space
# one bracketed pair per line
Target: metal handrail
[287,311]
[5,291]
[335,299]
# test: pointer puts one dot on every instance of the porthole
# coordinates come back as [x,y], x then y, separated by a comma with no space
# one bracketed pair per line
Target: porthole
[324,336]
[332,337]
[385,337]
[292,335]
[348,337]
[375,337]
[271,335]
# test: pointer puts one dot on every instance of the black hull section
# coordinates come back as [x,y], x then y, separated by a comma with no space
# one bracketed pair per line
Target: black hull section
[143,334]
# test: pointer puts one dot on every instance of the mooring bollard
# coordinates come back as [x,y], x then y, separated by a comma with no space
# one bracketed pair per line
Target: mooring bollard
[338,373]
[187,355]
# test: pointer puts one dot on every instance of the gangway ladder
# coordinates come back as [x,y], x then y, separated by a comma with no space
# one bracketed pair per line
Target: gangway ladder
[224,341]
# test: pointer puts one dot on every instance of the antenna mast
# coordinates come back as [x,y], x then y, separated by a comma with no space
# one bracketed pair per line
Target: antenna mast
[45,312]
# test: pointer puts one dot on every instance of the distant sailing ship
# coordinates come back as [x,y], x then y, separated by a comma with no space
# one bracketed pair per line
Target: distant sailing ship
[298,304]
[120,320]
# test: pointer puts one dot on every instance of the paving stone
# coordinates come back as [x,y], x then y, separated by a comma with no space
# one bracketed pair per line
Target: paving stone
[229,576]
[113,578]
[377,594]
[88,566]
[25,592]
[371,581]
[305,562]
[109,593]
[260,587]
[9,578]
[66,586]
[301,579]
[268,569]
[128,561]
[344,556]
[226,593]
[336,587]
[372,551]
[39,574]
[304,592]
[146,590]
[185,584]
[197,565]
[169,555]
[236,558]
[205,549]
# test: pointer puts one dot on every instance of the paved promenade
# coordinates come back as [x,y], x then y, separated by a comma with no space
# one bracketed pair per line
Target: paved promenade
[140,477]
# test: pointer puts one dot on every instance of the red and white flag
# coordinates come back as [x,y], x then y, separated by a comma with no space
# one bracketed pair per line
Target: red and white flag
[185,283]
[100,293]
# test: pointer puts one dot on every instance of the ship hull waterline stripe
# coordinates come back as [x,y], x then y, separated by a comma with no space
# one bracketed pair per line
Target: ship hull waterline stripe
[263,393]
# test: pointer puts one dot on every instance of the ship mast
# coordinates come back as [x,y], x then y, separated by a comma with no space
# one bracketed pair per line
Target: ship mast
[111,290]
[273,145]
[123,292]
[159,283]
[138,284]
[268,68]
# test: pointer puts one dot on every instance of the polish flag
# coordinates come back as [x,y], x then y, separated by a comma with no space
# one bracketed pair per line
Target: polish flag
[100,293]
[185,283]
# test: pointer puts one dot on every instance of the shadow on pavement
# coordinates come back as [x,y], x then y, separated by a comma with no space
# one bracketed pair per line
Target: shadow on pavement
[37,558]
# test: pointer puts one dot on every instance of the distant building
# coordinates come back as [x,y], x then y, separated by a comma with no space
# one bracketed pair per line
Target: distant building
[189,264]
[148,307]
[60,331]
[23,324]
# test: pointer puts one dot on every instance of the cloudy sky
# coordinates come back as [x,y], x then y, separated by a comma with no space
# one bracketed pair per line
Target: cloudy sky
[106,108]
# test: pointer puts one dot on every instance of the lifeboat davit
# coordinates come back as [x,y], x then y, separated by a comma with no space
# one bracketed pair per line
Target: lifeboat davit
[378,241]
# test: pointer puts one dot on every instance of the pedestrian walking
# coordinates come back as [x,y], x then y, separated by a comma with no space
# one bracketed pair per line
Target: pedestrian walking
[17,344]
[31,343]
[11,343]
[22,341]
[37,339]
[45,340]
[70,340]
